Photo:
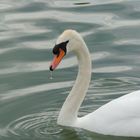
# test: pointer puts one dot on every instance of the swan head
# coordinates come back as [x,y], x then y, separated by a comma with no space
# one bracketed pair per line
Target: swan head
[68,41]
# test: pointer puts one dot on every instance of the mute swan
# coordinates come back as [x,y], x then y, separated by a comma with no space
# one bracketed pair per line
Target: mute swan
[120,117]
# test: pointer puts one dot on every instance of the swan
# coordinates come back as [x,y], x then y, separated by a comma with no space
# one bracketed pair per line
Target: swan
[119,117]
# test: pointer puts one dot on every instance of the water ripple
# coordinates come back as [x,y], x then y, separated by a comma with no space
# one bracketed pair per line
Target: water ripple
[35,125]
[35,89]
[119,83]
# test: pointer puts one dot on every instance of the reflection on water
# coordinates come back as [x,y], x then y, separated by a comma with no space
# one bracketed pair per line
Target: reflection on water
[30,97]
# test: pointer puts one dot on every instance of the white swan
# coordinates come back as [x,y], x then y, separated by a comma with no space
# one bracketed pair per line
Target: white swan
[120,117]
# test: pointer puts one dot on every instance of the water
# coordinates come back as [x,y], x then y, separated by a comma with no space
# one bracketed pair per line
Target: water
[51,75]
[29,100]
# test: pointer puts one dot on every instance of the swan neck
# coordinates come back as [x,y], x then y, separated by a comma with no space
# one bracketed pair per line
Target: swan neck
[69,112]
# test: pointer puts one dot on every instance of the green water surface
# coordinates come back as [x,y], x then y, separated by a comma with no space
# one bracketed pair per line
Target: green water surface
[29,100]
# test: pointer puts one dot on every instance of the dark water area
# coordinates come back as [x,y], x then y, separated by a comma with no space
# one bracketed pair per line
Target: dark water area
[29,100]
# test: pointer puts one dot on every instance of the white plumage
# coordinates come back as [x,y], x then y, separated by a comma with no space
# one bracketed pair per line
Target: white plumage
[120,117]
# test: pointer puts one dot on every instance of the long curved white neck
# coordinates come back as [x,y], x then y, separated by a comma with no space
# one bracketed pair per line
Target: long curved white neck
[69,111]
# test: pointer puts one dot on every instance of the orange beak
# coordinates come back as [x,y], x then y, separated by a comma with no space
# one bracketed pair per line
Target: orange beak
[57,59]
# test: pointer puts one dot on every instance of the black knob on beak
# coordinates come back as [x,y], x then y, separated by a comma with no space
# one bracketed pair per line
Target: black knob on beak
[51,69]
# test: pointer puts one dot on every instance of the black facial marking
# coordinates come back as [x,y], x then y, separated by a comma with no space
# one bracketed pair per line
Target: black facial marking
[56,50]
[62,46]
[51,69]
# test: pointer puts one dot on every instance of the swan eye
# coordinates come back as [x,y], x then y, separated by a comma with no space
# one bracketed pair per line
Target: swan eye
[57,47]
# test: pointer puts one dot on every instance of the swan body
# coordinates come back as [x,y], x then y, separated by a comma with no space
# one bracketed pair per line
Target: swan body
[120,117]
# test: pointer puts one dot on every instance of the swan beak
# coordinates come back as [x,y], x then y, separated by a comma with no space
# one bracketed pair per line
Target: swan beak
[57,59]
